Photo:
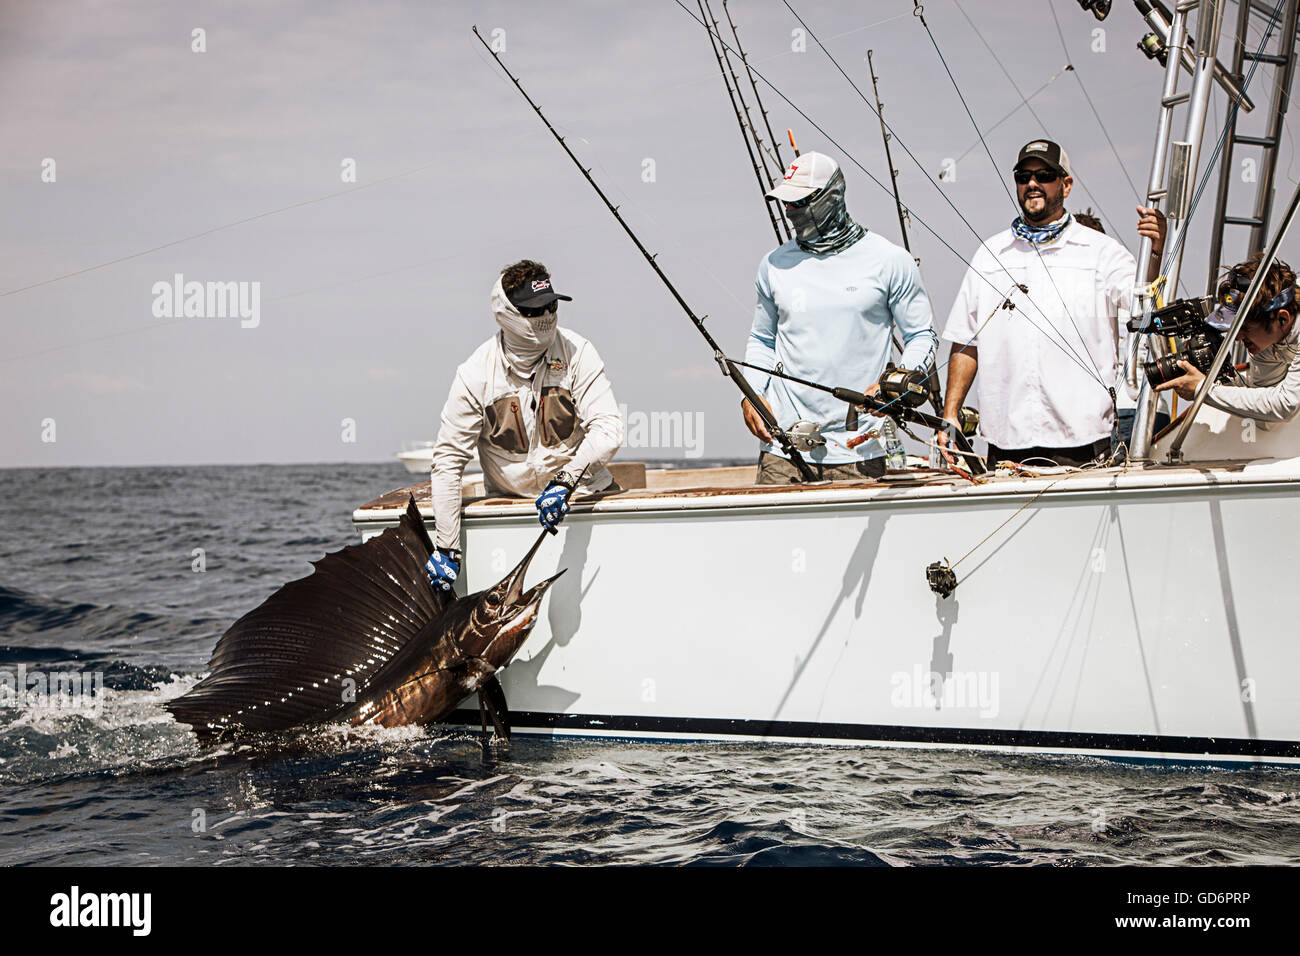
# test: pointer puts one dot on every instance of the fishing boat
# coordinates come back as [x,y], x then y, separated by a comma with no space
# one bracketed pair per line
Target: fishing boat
[1135,611]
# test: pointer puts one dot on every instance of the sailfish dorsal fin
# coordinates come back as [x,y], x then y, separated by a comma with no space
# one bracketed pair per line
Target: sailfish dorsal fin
[289,661]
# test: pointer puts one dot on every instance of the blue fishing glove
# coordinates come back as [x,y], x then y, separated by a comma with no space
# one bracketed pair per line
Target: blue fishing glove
[553,503]
[443,567]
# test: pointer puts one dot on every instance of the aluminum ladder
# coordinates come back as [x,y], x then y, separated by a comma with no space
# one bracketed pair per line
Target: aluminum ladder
[1281,63]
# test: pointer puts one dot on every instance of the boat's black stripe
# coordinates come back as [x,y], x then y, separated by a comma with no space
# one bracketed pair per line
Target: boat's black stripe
[887,733]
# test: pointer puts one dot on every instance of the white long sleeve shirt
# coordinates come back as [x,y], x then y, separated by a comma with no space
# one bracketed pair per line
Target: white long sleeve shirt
[526,429]
[1042,365]
[1272,389]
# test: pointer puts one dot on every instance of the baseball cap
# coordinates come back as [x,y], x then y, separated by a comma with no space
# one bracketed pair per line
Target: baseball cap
[1048,152]
[534,293]
[808,173]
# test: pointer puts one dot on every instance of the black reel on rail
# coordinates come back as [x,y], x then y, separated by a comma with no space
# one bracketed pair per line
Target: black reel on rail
[941,578]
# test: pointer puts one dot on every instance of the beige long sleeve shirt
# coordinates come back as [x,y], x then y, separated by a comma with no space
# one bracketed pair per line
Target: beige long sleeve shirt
[526,429]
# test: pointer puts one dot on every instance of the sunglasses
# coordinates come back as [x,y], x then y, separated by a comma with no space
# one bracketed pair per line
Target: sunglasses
[1044,176]
[799,204]
[540,310]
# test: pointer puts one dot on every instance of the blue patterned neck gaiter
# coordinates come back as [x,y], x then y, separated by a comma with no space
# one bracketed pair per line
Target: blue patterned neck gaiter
[824,225]
[1039,235]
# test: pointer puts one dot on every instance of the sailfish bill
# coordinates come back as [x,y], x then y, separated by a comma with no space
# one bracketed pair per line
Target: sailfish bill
[364,639]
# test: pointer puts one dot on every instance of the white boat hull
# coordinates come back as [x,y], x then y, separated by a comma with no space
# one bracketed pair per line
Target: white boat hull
[1130,615]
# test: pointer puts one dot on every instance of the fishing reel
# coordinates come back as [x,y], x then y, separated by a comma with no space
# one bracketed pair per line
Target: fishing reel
[909,387]
[1196,341]
[805,436]
[969,419]
[1153,47]
[941,578]
[1098,8]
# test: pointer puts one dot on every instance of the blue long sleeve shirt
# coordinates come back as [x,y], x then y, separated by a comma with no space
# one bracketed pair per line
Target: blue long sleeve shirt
[827,318]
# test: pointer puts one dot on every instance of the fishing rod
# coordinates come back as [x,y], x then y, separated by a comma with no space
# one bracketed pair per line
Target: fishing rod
[764,156]
[893,173]
[728,367]
[1065,348]
[764,184]
[758,100]
[893,408]
[935,397]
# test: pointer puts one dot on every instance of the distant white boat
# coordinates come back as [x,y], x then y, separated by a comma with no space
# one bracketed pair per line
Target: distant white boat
[416,456]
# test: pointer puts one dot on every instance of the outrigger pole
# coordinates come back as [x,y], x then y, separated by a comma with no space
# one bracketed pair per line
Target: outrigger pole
[728,367]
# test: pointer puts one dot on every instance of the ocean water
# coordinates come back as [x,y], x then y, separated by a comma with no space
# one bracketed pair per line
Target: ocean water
[97,575]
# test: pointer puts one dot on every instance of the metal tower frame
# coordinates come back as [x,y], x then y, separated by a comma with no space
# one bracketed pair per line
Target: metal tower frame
[1282,62]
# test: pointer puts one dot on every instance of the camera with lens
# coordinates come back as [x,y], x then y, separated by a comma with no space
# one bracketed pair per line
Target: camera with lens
[1183,320]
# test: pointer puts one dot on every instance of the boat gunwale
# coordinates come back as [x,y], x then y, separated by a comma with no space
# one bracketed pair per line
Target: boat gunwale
[1234,478]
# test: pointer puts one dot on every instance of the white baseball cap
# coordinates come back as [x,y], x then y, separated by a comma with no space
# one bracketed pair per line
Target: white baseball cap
[808,173]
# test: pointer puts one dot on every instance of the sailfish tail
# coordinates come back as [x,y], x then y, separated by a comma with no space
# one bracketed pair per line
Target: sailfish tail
[312,647]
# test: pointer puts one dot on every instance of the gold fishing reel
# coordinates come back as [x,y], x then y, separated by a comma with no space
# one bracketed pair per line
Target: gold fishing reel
[969,419]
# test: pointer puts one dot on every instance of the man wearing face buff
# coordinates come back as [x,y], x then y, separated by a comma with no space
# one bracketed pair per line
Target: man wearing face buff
[535,401]
[827,303]
[1042,365]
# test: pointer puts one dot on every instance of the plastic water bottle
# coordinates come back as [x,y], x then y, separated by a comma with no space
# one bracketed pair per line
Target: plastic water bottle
[894,460]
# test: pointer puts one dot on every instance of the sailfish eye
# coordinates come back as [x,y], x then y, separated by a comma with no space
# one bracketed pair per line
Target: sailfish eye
[493,599]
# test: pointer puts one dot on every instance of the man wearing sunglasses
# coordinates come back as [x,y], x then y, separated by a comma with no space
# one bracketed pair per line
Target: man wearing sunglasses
[827,302]
[1270,389]
[535,402]
[1047,363]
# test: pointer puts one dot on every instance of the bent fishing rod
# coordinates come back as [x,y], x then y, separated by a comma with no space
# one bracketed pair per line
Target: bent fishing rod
[727,365]
[893,408]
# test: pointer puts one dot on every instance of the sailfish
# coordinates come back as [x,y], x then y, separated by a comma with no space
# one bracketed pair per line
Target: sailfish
[364,639]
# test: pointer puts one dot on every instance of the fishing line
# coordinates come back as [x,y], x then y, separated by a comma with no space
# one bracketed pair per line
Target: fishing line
[1114,223]
[772,175]
[987,281]
[919,10]
[1091,371]
[423,263]
[774,153]
[1024,102]
[229,225]
[1233,110]
[1278,91]
[1114,152]
[1064,344]
[748,136]
[1086,469]
[727,367]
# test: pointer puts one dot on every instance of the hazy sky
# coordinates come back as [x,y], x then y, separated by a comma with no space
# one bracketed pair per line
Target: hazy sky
[369,299]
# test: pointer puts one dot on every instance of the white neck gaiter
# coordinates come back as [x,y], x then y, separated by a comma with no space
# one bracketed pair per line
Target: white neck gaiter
[524,341]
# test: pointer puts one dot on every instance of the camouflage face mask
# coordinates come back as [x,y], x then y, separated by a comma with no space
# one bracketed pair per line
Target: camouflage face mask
[824,225]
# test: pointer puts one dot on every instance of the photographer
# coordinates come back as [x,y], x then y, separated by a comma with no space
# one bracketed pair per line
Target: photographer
[1271,389]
